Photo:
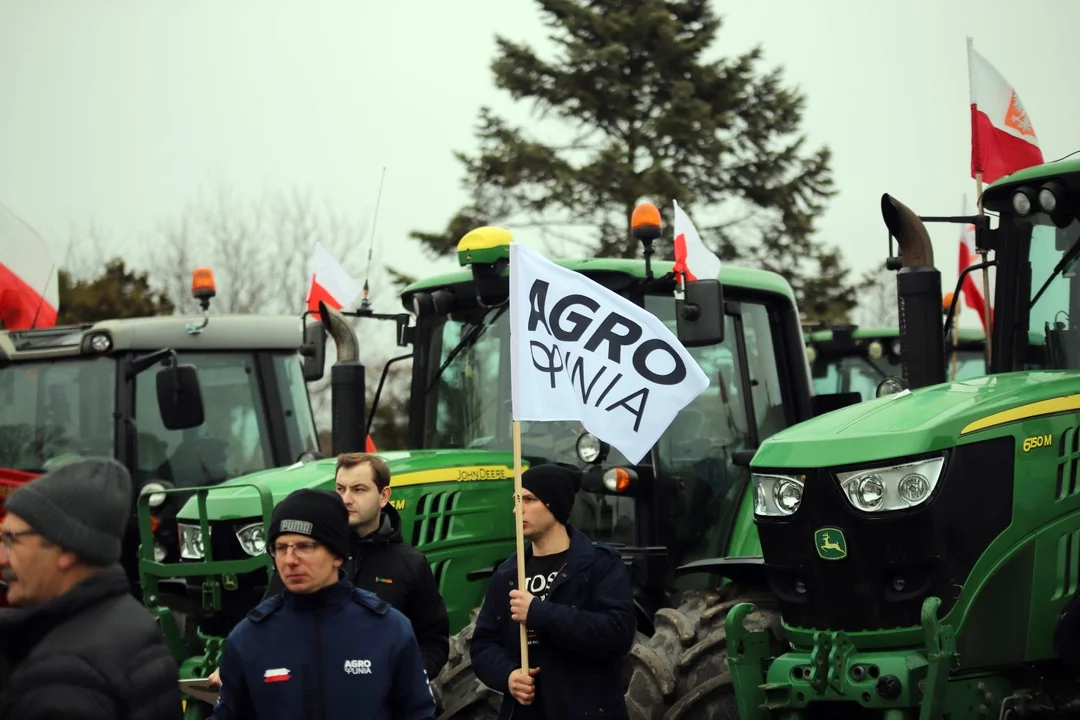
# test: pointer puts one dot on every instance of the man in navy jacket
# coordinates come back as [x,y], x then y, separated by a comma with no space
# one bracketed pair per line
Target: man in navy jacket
[578,610]
[323,648]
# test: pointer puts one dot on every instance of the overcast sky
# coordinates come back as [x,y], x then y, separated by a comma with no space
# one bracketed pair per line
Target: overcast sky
[117,113]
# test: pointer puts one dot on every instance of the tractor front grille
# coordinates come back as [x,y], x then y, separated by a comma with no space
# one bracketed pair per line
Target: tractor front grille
[894,559]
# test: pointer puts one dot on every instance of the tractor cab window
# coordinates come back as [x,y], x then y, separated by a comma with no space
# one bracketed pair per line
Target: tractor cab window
[468,406]
[1054,314]
[697,447]
[299,419]
[234,439]
[51,411]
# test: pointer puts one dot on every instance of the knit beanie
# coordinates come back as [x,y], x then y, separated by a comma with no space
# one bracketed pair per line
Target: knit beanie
[319,514]
[82,506]
[555,485]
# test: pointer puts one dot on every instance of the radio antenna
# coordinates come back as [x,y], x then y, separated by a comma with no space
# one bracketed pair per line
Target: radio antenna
[365,302]
[41,301]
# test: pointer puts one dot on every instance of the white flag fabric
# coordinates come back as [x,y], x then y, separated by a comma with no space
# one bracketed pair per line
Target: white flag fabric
[580,352]
[330,282]
[693,259]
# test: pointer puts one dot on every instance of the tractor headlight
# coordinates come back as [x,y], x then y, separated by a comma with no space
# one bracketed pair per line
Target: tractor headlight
[777,495]
[896,487]
[252,538]
[191,544]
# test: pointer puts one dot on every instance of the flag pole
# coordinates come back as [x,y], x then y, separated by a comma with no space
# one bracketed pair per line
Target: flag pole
[985,273]
[956,336]
[520,532]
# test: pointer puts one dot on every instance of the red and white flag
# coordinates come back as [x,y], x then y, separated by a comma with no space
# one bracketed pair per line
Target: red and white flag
[330,283]
[1002,137]
[29,283]
[693,260]
[973,296]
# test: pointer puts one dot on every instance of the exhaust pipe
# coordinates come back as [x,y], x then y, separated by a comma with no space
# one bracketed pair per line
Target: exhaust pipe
[338,327]
[348,429]
[918,297]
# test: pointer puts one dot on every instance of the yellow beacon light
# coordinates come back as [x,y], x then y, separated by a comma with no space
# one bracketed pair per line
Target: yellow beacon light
[484,245]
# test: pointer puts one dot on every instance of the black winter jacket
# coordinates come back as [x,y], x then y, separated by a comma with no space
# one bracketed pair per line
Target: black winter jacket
[383,563]
[586,627]
[94,653]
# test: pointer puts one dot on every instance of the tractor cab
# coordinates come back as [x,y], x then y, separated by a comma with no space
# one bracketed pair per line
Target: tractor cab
[180,401]
[687,500]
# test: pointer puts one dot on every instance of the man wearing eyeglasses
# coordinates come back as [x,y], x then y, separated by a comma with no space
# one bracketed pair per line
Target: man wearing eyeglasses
[75,643]
[323,647]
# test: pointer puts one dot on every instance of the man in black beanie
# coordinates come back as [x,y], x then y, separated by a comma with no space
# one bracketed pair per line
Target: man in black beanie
[75,643]
[322,648]
[578,607]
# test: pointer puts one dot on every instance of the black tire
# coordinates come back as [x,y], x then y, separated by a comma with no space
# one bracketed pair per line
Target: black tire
[682,672]
[459,694]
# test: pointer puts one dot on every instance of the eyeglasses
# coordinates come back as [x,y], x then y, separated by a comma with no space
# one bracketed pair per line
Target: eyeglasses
[302,549]
[9,537]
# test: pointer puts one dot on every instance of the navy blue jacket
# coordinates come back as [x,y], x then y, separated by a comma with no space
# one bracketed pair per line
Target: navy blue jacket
[338,653]
[586,627]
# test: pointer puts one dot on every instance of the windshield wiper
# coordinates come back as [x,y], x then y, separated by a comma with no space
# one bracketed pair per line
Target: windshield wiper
[468,340]
[1063,263]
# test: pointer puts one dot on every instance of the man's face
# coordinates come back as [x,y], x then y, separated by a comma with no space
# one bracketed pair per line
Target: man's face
[364,501]
[31,567]
[303,564]
[536,519]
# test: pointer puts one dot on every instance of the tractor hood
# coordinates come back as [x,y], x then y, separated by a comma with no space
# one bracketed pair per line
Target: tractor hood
[928,419]
[235,499]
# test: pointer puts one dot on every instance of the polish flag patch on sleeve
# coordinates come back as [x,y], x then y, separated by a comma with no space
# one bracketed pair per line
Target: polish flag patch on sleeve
[276,675]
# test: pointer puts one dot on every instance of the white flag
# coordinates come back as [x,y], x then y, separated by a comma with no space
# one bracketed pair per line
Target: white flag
[581,352]
[693,259]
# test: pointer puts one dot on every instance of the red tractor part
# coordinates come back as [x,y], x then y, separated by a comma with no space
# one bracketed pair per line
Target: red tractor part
[9,480]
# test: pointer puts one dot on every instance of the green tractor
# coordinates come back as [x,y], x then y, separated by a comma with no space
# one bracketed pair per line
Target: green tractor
[688,500]
[848,358]
[180,401]
[923,547]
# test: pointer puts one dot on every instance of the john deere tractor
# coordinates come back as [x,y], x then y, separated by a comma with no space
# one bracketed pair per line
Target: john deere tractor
[849,358]
[924,547]
[453,487]
[180,401]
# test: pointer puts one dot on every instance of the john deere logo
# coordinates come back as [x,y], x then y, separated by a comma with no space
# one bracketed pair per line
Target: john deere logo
[830,543]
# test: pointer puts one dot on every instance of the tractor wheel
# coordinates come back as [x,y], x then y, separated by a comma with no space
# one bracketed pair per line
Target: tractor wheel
[682,672]
[459,694]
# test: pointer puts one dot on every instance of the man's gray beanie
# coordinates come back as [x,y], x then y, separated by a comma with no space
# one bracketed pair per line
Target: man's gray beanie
[82,506]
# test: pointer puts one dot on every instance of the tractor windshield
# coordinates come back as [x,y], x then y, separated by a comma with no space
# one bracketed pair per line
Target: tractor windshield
[1055,291]
[233,440]
[861,374]
[468,398]
[50,410]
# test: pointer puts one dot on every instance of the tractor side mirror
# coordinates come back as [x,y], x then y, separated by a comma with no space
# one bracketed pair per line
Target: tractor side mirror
[314,351]
[180,397]
[699,315]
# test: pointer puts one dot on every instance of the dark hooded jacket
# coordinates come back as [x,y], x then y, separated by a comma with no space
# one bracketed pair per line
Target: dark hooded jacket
[93,653]
[587,626]
[383,563]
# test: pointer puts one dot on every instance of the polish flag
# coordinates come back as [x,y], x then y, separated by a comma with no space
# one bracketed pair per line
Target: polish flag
[29,285]
[1002,137]
[276,675]
[330,283]
[693,260]
[971,289]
